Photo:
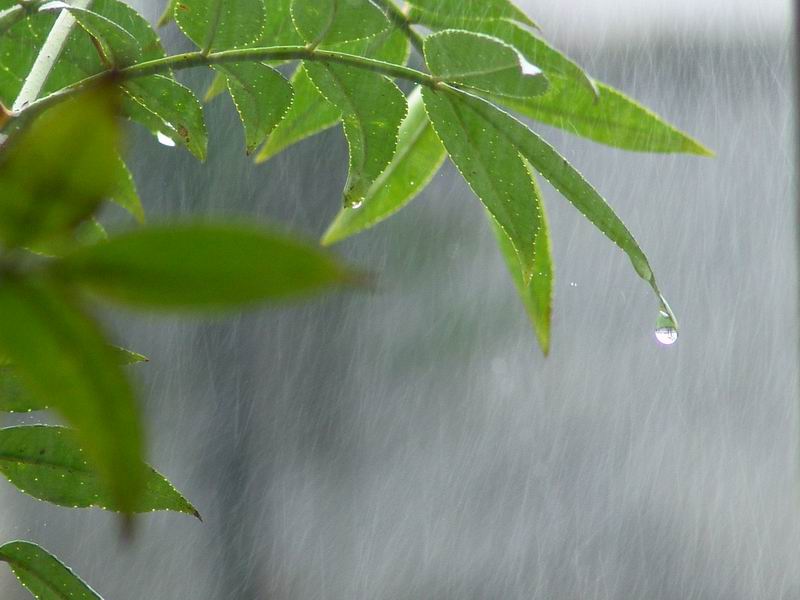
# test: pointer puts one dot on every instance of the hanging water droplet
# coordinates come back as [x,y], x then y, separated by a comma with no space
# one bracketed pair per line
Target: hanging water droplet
[667,335]
[666,331]
[165,139]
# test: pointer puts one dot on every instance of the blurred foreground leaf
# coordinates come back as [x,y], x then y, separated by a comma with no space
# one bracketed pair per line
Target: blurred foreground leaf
[64,361]
[202,267]
[55,173]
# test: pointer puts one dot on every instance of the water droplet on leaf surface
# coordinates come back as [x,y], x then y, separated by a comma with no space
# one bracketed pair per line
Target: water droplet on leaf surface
[165,139]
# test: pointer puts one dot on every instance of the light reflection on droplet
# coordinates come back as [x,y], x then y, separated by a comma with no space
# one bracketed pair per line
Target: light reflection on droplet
[666,329]
[666,335]
[165,140]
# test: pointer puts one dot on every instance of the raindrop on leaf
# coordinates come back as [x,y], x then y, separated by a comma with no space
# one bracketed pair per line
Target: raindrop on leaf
[165,139]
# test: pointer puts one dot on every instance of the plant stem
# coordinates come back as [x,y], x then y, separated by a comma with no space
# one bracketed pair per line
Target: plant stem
[400,20]
[197,59]
[47,57]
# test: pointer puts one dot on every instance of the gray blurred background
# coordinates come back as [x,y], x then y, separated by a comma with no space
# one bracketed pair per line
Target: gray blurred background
[412,443]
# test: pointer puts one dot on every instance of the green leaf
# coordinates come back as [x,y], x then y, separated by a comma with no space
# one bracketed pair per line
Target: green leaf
[536,293]
[125,194]
[558,172]
[482,63]
[87,232]
[14,396]
[165,106]
[279,29]
[220,24]
[418,158]
[218,85]
[42,194]
[372,109]
[333,21]
[454,13]
[167,15]
[611,118]
[535,50]
[128,357]
[202,267]
[493,168]
[310,112]
[43,574]
[119,47]
[64,361]
[48,463]
[261,95]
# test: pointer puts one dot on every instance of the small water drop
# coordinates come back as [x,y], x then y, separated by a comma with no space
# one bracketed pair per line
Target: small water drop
[357,204]
[666,335]
[666,331]
[165,139]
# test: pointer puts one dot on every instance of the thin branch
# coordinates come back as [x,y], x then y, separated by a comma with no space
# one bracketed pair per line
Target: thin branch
[400,20]
[48,55]
[198,59]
